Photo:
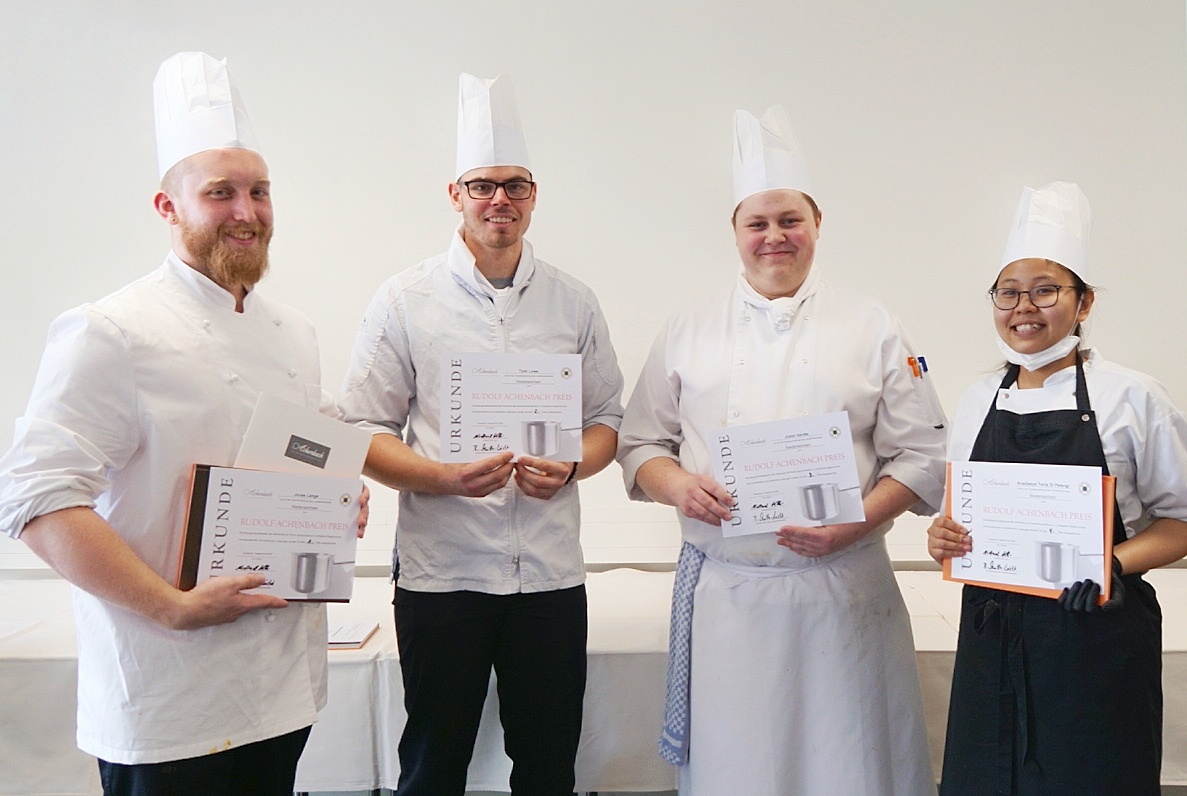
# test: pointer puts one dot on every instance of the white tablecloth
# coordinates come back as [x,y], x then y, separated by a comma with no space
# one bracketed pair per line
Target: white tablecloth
[353,745]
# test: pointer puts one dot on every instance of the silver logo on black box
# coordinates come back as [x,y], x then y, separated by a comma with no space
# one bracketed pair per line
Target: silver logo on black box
[308,451]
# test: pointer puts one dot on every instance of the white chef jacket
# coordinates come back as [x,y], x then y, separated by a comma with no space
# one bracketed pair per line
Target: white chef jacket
[743,358]
[505,542]
[131,392]
[1141,431]
[803,675]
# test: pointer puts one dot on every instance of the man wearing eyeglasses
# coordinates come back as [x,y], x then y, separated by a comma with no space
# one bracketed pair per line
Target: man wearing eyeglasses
[488,556]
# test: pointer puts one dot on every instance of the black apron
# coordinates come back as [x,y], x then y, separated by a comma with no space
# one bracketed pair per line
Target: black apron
[1047,702]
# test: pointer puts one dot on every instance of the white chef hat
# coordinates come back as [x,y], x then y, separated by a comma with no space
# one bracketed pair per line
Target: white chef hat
[1051,223]
[766,155]
[197,108]
[488,128]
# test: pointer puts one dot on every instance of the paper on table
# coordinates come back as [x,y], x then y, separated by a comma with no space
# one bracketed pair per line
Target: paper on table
[525,403]
[1036,528]
[798,471]
[283,437]
[351,636]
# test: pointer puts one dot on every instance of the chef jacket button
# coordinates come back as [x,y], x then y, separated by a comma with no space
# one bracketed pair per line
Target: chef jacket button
[734,413]
[270,616]
[205,324]
[803,362]
[277,321]
[807,317]
[745,319]
[292,374]
[233,378]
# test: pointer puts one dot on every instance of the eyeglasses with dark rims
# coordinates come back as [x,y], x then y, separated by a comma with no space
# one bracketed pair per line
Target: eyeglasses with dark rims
[485,189]
[1043,296]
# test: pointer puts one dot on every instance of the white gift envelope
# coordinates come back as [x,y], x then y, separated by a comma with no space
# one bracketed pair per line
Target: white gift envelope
[283,437]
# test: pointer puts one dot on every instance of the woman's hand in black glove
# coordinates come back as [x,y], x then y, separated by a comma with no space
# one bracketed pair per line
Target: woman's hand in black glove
[1083,594]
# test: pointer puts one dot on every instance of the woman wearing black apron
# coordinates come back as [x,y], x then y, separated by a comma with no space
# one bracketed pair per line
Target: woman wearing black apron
[1064,697]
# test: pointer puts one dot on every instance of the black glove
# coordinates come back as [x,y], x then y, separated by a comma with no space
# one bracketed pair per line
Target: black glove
[1082,595]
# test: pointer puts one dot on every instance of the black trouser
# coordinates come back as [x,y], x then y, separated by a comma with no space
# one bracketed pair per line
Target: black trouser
[448,644]
[264,768]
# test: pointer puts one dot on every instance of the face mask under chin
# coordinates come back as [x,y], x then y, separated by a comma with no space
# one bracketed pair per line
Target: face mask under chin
[1039,359]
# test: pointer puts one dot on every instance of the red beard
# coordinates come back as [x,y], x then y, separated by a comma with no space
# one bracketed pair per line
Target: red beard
[228,264]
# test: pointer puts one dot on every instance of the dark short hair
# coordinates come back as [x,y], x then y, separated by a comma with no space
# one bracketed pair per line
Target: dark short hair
[1081,287]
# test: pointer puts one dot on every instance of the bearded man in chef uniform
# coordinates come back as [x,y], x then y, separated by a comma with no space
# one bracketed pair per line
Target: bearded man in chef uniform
[212,690]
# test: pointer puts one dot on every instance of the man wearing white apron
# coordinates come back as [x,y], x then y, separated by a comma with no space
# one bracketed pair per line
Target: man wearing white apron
[795,672]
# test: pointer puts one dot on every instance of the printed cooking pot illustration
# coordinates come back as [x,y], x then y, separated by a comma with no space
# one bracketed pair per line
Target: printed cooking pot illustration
[311,572]
[1060,563]
[1057,562]
[542,437]
[820,501]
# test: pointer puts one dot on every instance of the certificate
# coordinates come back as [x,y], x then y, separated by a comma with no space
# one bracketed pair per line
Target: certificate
[524,403]
[799,471]
[1036,528]
[298,531]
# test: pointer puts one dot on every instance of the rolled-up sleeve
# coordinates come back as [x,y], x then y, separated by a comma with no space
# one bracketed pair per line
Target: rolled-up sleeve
[380,379]
[908,445]
[1160,457]
[81,422]
[601,378]
[651,425]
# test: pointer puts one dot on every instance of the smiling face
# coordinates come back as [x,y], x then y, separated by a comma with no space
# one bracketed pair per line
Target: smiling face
[1029,329]
[776,233]
[220,205]
[494,225]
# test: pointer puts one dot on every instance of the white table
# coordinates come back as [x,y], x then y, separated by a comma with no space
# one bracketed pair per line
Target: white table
[353,745]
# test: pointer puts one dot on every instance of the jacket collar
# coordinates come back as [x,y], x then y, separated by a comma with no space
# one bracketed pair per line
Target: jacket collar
[465,271]
[780,311]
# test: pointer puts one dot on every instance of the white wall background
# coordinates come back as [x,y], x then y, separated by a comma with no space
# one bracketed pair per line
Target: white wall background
[921,122]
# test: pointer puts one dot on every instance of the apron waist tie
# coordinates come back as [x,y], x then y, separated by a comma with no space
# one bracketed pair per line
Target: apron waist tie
[1013,702]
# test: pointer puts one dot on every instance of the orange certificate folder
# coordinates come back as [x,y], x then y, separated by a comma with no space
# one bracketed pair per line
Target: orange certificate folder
[1031,532]
[297,530]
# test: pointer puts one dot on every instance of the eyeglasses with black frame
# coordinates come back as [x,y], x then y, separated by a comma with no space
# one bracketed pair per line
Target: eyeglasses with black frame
[1043,296]
[485,189]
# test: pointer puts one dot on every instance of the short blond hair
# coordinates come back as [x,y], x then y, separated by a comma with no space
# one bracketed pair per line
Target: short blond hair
[811,204]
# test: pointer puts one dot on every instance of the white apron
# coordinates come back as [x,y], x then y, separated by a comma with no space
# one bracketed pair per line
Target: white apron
[803,677]
[804,683]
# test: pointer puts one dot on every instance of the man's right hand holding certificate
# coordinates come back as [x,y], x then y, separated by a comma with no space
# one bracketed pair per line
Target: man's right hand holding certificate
[698,497]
